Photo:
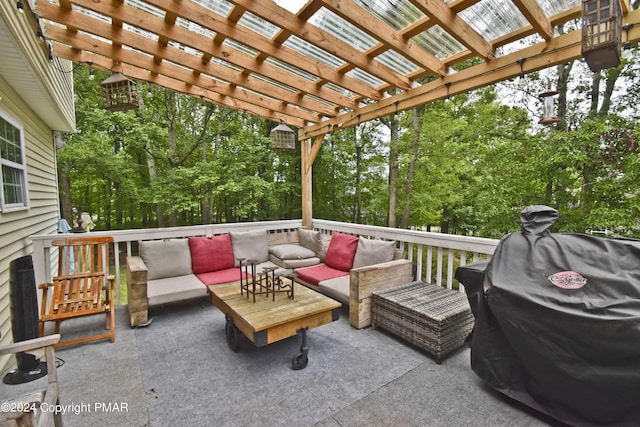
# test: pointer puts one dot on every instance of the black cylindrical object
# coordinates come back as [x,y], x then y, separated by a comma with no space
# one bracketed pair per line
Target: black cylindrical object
[24,299]
[24,319]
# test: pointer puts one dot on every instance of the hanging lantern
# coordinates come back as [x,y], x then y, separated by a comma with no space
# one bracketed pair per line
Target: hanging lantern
[119,93]
[283,138]
[601,30]
[548,108]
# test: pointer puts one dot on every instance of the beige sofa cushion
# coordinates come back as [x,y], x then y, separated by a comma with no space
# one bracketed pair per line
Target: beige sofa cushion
[166,258]
[291,251]
[337,288]
[291,255]
[372,252]
[294,263]
[311,239]
[170,289]
[251,245]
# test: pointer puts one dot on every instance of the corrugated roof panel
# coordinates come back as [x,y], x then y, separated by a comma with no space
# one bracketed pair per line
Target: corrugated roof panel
[553,7]
[155,11]
[313,52]
[397,62]
[240,47]
[259,25]
[140,31]
[195,28]
[340,90]
[92,14]
[220,7]
[291,69]
[365,77]
[494,18]
[438,42]
[397,13]
[273,82]
[185,48]
[343,30]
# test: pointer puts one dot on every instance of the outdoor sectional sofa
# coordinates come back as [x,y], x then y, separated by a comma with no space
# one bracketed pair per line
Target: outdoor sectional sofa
[342,266]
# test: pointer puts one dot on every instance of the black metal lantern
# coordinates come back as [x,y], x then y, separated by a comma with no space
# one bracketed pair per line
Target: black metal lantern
[119,93]
[601,30]
[548,107]
[283,138]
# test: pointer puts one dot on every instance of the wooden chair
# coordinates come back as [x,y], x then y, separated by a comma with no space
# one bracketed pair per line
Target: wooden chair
[83,286]
[25,410]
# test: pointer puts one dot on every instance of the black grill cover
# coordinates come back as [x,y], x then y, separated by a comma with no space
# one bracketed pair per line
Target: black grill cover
[559,325]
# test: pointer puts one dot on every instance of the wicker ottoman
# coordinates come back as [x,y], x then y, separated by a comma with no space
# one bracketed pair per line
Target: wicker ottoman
[433,318]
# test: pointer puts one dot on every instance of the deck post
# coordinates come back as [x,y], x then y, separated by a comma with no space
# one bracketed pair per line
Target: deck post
[308,154]
[307,182]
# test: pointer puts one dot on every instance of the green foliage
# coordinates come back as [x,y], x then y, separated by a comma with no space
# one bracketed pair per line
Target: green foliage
[478,163]
[349,176]
[177,159]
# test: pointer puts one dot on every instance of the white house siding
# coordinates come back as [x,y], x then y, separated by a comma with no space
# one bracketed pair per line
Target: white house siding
[43,212]
[37,93]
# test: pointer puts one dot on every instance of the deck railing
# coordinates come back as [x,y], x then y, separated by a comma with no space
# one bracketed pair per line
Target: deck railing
[429,252]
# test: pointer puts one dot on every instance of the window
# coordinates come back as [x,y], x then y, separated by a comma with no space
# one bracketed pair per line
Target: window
[14,195]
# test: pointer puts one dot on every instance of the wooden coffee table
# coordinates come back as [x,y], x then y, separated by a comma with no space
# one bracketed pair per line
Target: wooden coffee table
[267,321]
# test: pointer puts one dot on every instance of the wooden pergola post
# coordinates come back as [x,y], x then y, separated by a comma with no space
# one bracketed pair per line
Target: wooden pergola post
[308,154]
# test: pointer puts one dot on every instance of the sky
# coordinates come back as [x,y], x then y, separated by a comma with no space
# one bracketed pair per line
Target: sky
[291,5]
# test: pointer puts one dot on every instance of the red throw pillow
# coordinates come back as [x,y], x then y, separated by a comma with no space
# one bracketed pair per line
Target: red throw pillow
[319,273]
[211,253]
[341,251]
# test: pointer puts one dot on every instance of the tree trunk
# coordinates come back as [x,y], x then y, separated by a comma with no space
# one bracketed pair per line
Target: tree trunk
[153,173]
[357,208]
[394,127]
[564,71]
[207,201]
[411,170]
[610,83]
[173,219]
[595,93]
[64,183]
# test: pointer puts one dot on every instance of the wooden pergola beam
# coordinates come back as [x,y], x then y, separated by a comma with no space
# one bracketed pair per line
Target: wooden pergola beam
[300,116]
[323,81]
[536,17]
[441,14]
[308,152]
[281,17]
[201,43]
[354,14]
[270,48]
[177,56]
[542,55]
[176,85]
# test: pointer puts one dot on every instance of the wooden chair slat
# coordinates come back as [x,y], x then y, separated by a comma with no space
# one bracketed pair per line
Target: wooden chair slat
[82,287]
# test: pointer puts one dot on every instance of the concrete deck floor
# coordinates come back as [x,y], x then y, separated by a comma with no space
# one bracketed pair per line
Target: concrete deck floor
[179,371]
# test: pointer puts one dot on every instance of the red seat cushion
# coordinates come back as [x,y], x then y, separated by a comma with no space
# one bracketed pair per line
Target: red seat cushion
[341,251]
[211,253]
[318,273]
[227,275]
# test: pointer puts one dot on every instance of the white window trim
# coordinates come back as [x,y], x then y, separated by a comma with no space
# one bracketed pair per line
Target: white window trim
[12,207]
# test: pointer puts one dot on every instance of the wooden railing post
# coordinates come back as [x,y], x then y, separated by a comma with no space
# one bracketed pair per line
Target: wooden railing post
[307,184]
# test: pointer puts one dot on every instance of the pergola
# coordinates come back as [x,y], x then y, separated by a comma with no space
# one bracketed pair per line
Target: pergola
[322,65]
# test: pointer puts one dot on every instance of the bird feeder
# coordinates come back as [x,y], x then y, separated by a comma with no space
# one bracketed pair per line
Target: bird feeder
[119,93]
[283,138]
[601,32]
[548,107]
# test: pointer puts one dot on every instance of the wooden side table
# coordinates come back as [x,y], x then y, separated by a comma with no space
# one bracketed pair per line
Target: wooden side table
[435,319]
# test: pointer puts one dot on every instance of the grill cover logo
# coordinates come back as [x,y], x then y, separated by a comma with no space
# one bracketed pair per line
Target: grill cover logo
[568,280]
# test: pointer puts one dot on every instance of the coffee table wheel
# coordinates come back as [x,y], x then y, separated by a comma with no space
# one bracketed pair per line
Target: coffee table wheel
[299,361]
[233,335]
